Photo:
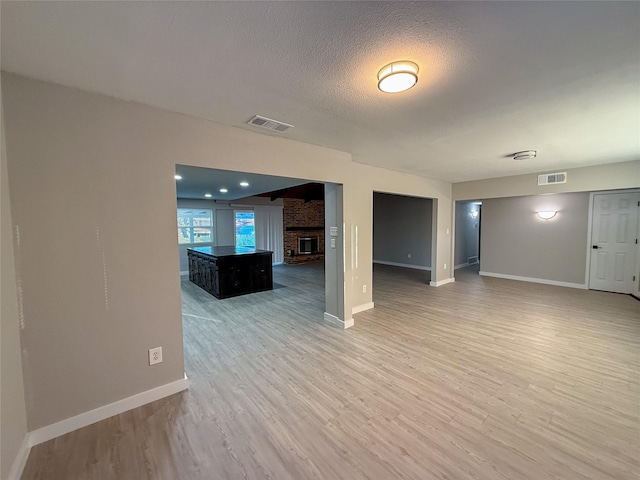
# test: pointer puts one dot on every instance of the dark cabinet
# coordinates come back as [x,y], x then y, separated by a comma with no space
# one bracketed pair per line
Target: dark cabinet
[228,271]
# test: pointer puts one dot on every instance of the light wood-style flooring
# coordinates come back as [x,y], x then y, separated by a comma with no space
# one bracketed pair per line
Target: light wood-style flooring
[484,378]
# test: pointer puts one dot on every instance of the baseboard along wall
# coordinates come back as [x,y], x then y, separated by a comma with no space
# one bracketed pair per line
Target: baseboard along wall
[543,281]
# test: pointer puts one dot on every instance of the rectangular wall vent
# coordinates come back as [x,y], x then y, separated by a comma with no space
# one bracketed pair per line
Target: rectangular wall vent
[549,178]
[269,124]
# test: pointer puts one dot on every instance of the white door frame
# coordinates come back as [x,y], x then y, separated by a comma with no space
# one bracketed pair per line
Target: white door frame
[587,271]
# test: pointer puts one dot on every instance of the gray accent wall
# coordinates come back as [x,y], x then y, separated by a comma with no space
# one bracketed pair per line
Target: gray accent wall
[402,226]
[515,241]
[467,233]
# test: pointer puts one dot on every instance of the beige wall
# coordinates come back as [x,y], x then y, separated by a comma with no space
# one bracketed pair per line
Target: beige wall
[515,241]
[13,416]
[94,198]
[587,179]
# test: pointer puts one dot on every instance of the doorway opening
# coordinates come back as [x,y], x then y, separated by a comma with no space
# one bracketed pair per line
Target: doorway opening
[403,234]
[467,232]
[231,213]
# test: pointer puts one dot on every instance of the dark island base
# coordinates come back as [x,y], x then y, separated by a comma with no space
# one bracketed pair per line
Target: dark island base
[228,271]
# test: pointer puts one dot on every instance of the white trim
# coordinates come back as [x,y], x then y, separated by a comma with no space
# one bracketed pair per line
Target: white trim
[92,416]
[442,282]
[543,281]
[276,263]
[404,265]
[186,272]
[337,322]
[21,459]
[361,308]
[462,265]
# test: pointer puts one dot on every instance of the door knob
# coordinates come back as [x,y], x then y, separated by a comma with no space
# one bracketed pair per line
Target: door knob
[595,247]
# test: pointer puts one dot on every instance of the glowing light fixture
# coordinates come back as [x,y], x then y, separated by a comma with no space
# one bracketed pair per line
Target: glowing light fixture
[547,215]
[244,184]
[223,190]
[474,214]
[208,195]
[178,177]
[398,76]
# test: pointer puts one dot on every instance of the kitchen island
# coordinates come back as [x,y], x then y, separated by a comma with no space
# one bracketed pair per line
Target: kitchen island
[230,271]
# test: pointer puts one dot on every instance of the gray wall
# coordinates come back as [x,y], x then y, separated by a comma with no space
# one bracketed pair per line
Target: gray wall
[515,241]
[467,232]
[13,415]
[402,226]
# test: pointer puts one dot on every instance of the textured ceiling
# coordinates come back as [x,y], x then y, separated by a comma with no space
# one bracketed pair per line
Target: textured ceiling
[495,77]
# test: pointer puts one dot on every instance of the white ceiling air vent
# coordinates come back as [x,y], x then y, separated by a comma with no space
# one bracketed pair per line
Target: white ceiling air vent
[550,178]
[269,124]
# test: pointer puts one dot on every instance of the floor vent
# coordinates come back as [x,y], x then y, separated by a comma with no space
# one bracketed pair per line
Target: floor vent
[473,260]
[549,178]
[269,124]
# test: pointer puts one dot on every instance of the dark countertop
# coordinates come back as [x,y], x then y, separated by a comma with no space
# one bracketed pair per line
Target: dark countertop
[228,251]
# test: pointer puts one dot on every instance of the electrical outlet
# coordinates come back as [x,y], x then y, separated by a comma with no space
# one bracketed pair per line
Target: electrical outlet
[445,266]
[408,255]
[155,355]
[364,289]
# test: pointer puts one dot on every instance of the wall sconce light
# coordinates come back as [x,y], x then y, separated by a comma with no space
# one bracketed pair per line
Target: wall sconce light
[474,214]
[547,215]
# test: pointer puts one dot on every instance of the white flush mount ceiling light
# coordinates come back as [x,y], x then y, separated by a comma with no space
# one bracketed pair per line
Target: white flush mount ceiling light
[398,76]
[244,184]
[178,177]
[525,155]
[208,195]
[547,214]
[223,190]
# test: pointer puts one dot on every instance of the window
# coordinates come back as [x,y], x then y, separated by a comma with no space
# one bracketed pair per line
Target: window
[245,229]
[194,226]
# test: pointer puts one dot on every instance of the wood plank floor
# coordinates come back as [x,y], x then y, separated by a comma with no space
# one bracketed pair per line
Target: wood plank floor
[484,378]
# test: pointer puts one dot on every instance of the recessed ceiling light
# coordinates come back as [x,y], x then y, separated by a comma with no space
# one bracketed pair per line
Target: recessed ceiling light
[223,190]
[525,155]
[178,177]
[244,184]
[208,195]
[398,76]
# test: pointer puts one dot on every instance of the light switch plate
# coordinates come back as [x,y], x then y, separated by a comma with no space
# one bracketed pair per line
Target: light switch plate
[333,231]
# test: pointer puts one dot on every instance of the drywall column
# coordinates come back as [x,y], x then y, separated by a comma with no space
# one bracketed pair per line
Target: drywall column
[334,257]
[13,414]
[442,248]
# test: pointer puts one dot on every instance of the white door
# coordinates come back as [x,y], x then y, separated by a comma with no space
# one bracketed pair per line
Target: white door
[614,242]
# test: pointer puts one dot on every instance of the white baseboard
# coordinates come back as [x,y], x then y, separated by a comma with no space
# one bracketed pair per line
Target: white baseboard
[442,282]
[462,265]
[403,265]
[337,322]
[92,416]
[361,308]
[543,281]
[186,272]
[21,460]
